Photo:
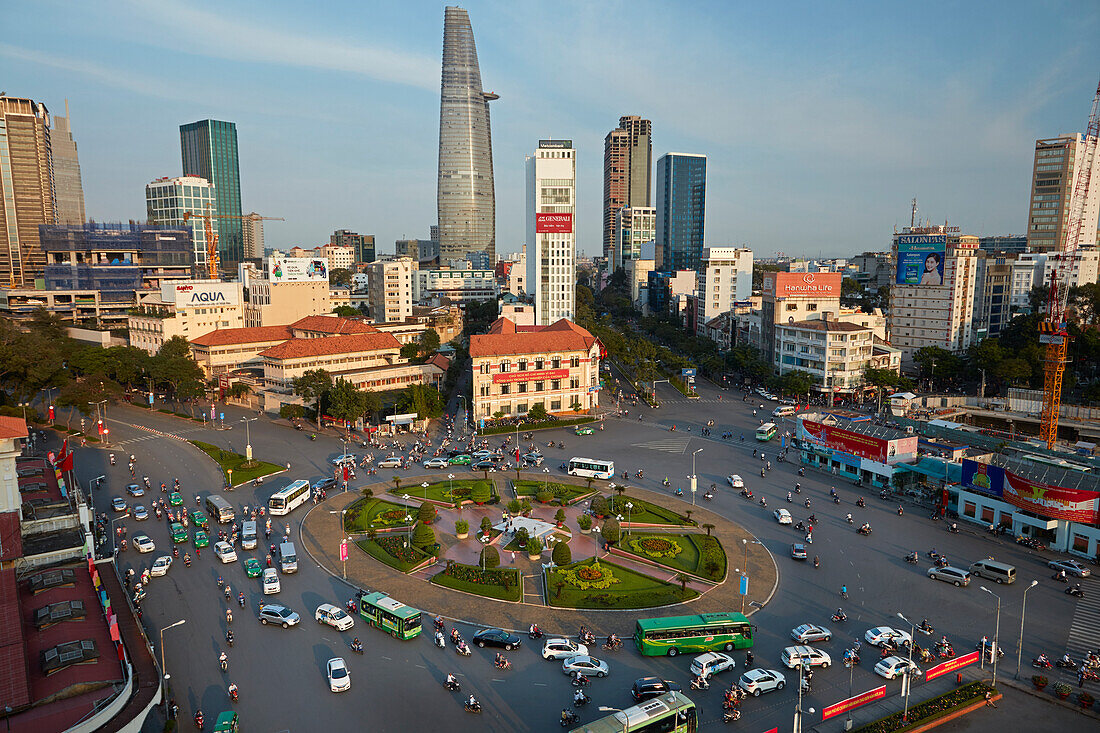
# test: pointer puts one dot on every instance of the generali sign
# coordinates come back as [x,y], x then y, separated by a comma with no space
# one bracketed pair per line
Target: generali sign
[803,284]
[553,223]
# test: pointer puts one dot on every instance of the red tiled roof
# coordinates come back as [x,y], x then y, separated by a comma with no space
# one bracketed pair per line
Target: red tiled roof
[298,348]
[440,361]
[504,339]
[11,537]
[227,336]
[15,684]
[333,325]
[13,427]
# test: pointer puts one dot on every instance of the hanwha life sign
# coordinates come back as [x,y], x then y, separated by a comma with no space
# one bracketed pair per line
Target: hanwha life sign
[803,284]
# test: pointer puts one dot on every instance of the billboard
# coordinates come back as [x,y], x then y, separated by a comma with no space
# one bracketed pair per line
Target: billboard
[198,293]
[856,444]
[553,223]
[509,377]
[921,259]
[1053,502]
[983,477]
[802,284]
[296,269]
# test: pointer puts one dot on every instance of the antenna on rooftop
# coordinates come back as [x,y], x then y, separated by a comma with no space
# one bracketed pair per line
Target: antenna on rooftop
[913,213]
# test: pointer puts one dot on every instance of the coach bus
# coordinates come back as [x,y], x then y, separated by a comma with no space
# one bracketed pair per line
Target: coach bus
[591,468]
[706,632]
[286,500]
[671,712]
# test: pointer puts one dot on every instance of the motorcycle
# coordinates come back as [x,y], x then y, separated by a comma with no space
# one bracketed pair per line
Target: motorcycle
[838,617]
[836,499]
[1041,663]
[861,503]
[611,645]
[851,660]
[535,633]
[732,715]
[699,683]
[1066,664]
[865,531]
[579,680]
[679,492]
[462,649]
[926,629]
[807,503]
[452,685]
[911,558]
[1072,590]
[666,482]
[234,695]
[581,699]
[502,664]
[472,707]
[200,721]
[763,501]
[224,664]
[569,719]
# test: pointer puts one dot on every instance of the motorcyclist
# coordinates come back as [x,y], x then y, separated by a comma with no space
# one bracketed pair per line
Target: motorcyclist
[578,696]
[849,518]
[839,613]
[223,660]
[472,702]
[451,680]
[357,645]
[534,630]
[228,637]
[1066,661]
[233,690]
[566,716]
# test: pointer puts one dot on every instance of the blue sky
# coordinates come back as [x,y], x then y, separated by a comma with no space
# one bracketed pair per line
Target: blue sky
[821,120]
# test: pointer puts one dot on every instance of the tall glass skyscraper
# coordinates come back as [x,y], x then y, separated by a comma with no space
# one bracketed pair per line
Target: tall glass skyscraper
[465,196]
[209,150]
[681,207]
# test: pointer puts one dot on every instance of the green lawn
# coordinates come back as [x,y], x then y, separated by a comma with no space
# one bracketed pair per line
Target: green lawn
[236,463]
[488,583]
[544,425]
[633,590]
[563,493]
[390,550]
[442,490]
[379,512]
[690,559]
[644,512]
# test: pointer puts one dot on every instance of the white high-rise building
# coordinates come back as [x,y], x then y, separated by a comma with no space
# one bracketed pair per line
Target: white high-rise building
[725,276]
[635,227]
[1036,269]
[168,199]
[552,230]
[1058,162]
[390,289]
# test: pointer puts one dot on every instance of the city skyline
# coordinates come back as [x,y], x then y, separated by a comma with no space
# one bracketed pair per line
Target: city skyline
[817,133]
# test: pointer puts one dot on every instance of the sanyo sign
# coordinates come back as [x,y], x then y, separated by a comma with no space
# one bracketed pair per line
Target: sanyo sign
[200,293]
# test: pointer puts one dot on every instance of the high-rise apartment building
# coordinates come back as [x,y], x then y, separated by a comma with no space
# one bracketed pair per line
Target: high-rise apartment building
[363,244]
[66,171]
[27,198]
[627,171]
[252,231]
[992,293]
[635,227]
[168,199]
[681,209]
[552,230]
[1057,163]
[725,277]
[390,289]
[209,150]
[466,199]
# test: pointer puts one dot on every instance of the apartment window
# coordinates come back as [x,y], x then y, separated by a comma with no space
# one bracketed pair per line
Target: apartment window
[555,404]
[505,389]
[522,387]
[555,363]
[485,390]
[811,306]
[574,362]
[555,384]
[538,363]
[538,386]
[521,365]
[504,366]
[574,383]
[521,408]
[792,306]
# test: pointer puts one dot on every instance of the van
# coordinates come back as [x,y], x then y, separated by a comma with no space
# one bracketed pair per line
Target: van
[220,509]
[248,535]
[271,581]
[784,411]
[288,558]
[993,570]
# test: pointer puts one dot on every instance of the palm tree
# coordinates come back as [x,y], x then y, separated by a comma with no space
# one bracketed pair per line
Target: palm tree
[687,513]
[708,528]
[397,482]
[619,490]
[683,579]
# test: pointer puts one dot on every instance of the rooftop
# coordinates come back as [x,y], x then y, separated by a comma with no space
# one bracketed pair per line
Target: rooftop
[505,338]
[820,324]
[332,325]
[297,348]
[13,427]
[255,335]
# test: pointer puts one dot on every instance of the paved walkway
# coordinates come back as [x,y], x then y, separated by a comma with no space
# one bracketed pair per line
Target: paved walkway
[320,535]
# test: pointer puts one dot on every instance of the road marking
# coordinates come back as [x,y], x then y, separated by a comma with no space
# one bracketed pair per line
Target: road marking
[388,659]
[540,684]
[667,445]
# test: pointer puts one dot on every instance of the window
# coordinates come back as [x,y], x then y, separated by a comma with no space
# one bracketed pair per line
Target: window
[521,408]
[504,366]
[574,362]
[505,389]
[792,306]
[555,384]
[1080,543]
[521,365]
[538,363]
[555,363]
[555,404]
[987,515]
[574,383]
[484,390]
[523,387]
[970,509]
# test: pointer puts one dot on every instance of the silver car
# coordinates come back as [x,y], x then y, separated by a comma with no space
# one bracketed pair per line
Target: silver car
[587,666]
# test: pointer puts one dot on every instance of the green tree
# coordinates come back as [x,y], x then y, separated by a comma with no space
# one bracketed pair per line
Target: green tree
[481,492]
[559,516]
[410,351]
[429,341]
[311,386]
[82,393]
[610,531]
[346,401]
[708,527]
[423,399]
[426,513]
[174,369]
[346,311]
[534,546]
[683,579]
[486,525]
[537,412]
[561,555]
[423,536]
[1014,371]
[340,277]
[30,359]
[796,382]
[490,557]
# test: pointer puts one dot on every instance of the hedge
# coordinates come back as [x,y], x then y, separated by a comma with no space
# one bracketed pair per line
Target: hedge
[930,710]
[501,583]
[542,425]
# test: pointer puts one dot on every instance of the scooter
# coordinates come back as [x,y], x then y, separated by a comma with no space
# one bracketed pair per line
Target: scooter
[731,716]
[838,617]
[581,700]
[1063,664]
[911,559]
[453,686]
[1041,663]
[699,684]
[569,719]
[1074,590]
[475,707]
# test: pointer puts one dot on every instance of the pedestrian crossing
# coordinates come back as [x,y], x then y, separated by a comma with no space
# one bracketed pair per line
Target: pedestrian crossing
[1084,632]
[667,445]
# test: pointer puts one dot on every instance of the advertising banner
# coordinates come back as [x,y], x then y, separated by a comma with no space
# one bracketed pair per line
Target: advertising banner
[856,444]
[803,284]
[853,702]
[921,259]
[344,550]
[509,377]
[553,223]
[296,269]
[951,665]
[983,477]
[198,293]
[1052,502]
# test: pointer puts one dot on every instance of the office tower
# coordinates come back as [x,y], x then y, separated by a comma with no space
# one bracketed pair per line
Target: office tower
[66,171]
[252,232]
[166,201]
[1053,177]
[362,243]
[627,170]
[634,228]
[1013,244]
[465,196]
[26,189]
[551,230]
[681,208]
[725,277]
[209,150]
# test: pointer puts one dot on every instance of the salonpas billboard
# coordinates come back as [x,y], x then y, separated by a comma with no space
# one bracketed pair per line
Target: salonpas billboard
[921,259]
[296,269]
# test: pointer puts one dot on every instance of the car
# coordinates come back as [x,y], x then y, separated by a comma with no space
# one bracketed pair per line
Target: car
[497,637]
[562,649]
[201,538]
[135,490]
[793,656]
[880,635]
[276,613]
[956,576]
[758,680]
[586,665]
[533,459]
[436,463]
[118,504]
[788,401]
[782,516]
[252,568]
[892,667]
[461,459]
[735,481]
[798,551]
[325,484]
[481,455]
[160,565]
[144,544]
[140,513]
[199,519]
[225,552]
[391,462]
[585,430]
[175,498]
[1072,567]
[270,583]
[343,458]
[334,616]
[339,679]
[483,465]
[649,687]
[711,663]
[811,632]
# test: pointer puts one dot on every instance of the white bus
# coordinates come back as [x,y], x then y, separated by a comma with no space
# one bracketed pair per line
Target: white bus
[591,468]
[287,500]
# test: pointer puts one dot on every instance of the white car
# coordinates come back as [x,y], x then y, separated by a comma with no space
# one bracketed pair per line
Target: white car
[144,544]
[735,481]
[782,516]
[391,462]
[160,566]
[270,582]
[344,458]
[225,552]
[892,667]
[436,463]
[339,679]
[563,649]
[881,635]
[795,655]
[810,632]
[711,663]
[758,680]
[140,513]
[334,616]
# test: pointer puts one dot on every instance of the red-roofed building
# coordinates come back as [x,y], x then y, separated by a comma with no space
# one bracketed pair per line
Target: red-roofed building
[322,326]
[231,349]
[517,367]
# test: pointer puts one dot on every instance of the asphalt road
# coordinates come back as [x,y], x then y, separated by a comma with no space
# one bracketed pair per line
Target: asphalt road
[396,685]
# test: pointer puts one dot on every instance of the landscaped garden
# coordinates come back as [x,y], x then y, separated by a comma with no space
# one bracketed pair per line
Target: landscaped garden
[930,710]
[549,492]
[500,583]
[602,584]
[698,554]
[235,467]
[394,550]
[640,511]
[369,512]
[452,492]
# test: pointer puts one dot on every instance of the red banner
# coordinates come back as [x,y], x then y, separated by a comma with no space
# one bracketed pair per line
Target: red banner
[553,223]
[1054,502]
[508,377]
[853,702]
[857,444]
[951,665]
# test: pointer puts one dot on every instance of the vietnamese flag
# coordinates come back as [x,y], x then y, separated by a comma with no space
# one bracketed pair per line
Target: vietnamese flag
[345,472]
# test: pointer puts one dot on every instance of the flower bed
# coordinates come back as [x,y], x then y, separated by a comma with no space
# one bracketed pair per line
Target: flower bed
[564,494]
[653,546]
[393,552]
[379,513]
[499,583]
[630,589]
[694,553]
[930,710]
[445,492]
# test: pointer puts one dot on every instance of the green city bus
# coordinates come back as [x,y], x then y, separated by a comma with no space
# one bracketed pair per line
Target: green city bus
[766,431]
[394,617]
[705,632]
[669,713]
[179,534]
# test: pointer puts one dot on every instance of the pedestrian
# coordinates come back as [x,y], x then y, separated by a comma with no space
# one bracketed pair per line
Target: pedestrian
[513,560]
[198,553]
[1081,677]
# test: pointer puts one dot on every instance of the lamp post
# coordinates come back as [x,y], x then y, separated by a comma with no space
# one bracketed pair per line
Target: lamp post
[909,668]
[163,669]
[745,544]
[451,487]
[408,521]
[694,483]
[608,709]
[1020,641]
[248,437]
[629,506]
[996,634]
[425,486]
[798,711]
[344,534]
[596,542]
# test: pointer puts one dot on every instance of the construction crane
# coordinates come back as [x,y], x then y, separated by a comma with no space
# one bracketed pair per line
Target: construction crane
[1053,332]
[212,238]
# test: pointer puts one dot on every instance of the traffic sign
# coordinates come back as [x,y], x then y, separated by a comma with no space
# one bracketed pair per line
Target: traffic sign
[687,372]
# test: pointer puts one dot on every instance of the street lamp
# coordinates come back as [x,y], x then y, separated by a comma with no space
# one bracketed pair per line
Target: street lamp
[425,486]
[451,487]
[596,542]
[693,479]
[248,437]
[163,669]
[798,711]
[629,506]
[1020,641]
[909,668]
[626,721]
[996,634]
[745,544]
[408,521]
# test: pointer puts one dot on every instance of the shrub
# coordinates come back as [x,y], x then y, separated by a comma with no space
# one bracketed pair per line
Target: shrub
[521,536]
[534,546]
[505,578]
[423,536]
[544,495]
[584,522]
[1061,689]
[525,505]
[654,546]
[1039,680]
[599,506]
[486,525]
[513,506]
[610,531]
[396,547]
[562,555]
[480,492]
[426,514]
[559,516]
[490,558]
[587,577]
[462,526]
[368,493]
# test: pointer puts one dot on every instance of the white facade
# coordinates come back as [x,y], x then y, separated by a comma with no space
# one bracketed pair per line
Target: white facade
[637,276]
[168,199]
[635,226]
[552,230]
[725,276]
[187,308]
[339,258]
[252,229]
[833,353]
[454,285]
[1034,269]
[359,282]
[390,289]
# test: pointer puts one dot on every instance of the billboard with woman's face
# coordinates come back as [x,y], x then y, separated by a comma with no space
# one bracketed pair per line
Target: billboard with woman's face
[921,259]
